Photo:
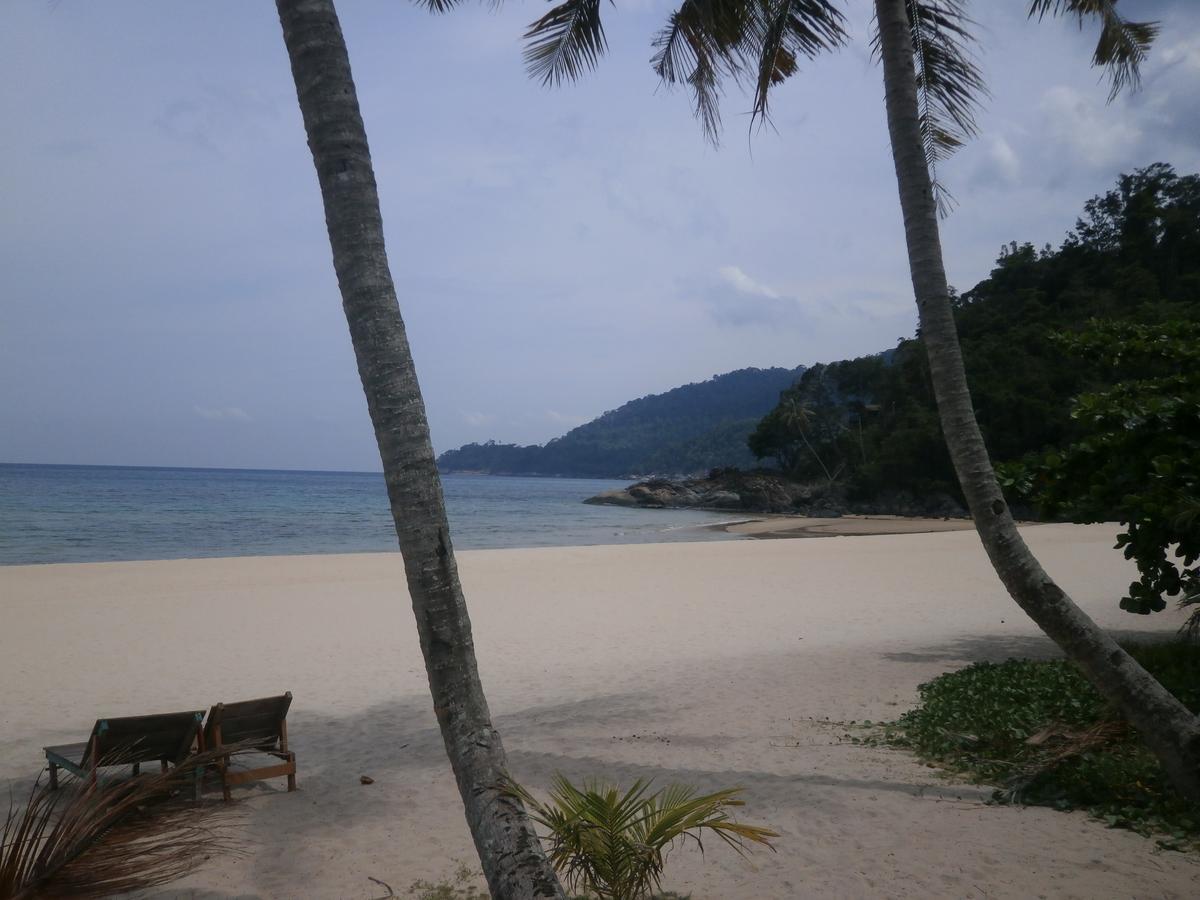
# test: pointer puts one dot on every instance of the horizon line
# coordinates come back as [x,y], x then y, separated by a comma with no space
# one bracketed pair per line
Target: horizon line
[193,468]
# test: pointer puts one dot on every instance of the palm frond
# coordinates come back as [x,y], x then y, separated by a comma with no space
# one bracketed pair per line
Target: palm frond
[1122,46]
[613,843]
[785,30]
[703,42]
[439,6]
[706,42]
[565,42]
[114,837]
[949,82]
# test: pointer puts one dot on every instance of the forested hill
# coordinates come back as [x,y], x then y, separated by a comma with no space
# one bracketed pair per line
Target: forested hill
[870,424]
[686,430]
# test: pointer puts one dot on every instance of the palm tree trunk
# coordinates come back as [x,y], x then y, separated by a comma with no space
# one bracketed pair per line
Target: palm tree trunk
[508,847]
[1167,727]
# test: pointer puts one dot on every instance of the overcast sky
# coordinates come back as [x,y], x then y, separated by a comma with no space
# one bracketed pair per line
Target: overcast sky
[166,290]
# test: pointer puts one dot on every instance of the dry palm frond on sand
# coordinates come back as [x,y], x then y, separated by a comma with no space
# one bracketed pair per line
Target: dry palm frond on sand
[1057,744]
[111,837]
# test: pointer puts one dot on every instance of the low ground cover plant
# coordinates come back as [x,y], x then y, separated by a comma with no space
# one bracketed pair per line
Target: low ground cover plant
[1038,731]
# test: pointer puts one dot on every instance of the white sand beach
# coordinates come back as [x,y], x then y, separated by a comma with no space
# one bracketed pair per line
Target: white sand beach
[717,664]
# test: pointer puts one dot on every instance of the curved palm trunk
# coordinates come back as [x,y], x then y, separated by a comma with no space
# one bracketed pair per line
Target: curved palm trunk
[508,847]
[1166,726]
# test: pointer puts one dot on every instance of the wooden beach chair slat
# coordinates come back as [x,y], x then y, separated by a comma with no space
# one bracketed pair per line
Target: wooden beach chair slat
[264,706]
[234,776]
[130,740]
[246,728]
[261,724]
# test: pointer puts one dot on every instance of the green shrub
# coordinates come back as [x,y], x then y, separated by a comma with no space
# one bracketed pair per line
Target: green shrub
[612,843]
[1040,733]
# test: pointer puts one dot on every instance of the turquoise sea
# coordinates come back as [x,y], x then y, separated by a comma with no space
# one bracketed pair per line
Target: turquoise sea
[54,514]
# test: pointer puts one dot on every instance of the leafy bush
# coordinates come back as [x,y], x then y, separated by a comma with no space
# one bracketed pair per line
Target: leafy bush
[613,843]
[1041,733]
[1139,459]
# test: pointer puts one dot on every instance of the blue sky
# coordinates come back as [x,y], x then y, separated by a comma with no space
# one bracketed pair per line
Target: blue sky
[166,291]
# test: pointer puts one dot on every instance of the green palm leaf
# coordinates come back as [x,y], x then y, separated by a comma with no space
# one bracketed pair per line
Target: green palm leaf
[439,6]
[1122,46]
[949,81]
[565,42]
[613,843]
[703,42]
[707,41]
[783,31]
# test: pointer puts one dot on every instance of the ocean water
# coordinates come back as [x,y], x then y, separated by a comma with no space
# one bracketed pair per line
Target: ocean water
[54,514]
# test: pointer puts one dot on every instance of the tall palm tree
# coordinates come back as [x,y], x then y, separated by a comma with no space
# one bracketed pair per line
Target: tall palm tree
[508,846]
[798,416]
[932,87]
[1168,728]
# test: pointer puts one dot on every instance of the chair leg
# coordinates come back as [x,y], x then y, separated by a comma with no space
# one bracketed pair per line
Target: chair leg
[53,777]
[222,768]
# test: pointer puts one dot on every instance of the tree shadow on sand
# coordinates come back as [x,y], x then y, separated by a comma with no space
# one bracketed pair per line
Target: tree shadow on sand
[403,740]
[997,648]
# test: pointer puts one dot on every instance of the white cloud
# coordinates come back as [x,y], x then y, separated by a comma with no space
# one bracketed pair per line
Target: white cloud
[1185,53]
[1084,133]
[1000,164]
[219,413]
[744,284]
[735,298]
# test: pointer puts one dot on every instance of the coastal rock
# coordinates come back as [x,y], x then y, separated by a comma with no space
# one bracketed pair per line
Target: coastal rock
[766,491]
[721,500]
[617,497]
[757,491]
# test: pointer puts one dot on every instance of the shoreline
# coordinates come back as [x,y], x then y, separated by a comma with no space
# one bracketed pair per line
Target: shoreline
[763,526]
[713,664]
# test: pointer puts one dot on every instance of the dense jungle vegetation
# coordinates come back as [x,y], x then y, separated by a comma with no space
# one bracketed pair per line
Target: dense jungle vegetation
[870,424]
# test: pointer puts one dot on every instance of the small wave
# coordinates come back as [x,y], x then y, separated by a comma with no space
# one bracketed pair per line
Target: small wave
[694,525]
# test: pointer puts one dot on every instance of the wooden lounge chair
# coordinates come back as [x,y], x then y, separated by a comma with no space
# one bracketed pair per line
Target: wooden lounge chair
[132,740]
[257,725]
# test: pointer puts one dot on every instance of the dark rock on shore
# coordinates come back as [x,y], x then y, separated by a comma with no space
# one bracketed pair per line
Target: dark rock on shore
[766,491]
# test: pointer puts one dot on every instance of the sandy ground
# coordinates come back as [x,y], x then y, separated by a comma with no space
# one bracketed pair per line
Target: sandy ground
[806,527]
[717,664]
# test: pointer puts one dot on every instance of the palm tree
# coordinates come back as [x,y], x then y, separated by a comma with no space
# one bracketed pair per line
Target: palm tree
[1168,728]
[932,87]
[798,416]
[508,846]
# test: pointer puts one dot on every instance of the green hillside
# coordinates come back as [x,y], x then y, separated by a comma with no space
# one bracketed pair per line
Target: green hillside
[686,430]
[871,423]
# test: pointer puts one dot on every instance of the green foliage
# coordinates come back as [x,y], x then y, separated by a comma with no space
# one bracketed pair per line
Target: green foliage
[1133,257]
[1039,731]
[613,843]
[687,430]
[1139,459]
[807,432]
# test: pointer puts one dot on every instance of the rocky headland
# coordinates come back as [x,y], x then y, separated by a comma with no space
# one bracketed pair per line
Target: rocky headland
[766,491]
